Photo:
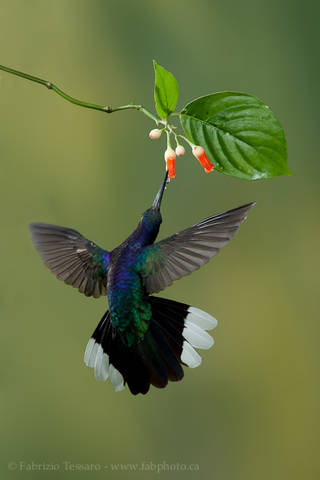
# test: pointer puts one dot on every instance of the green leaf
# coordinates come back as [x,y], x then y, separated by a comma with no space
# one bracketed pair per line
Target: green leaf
[165,91]
[239,133]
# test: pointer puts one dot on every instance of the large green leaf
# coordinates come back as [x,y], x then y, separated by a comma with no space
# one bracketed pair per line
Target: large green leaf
[165,91]
[239,133]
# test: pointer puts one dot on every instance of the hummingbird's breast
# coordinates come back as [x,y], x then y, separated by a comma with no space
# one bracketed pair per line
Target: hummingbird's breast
[130,312]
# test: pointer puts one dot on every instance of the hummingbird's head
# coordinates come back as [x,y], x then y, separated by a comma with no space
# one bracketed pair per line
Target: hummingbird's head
[151,218]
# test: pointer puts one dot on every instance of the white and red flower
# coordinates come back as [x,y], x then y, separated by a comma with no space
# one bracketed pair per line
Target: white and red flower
[200,155]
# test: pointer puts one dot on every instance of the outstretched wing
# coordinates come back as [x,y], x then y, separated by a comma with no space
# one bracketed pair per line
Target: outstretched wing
[179,255]
[72,258]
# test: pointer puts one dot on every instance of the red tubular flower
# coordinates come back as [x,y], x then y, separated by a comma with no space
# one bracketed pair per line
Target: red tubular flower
[200,154]
[170,158]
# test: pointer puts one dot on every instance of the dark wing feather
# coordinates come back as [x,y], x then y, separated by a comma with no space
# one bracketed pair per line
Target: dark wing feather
[186,251]
[72,258]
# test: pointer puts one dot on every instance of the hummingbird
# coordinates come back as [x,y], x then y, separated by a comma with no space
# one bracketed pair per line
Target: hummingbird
[142,339]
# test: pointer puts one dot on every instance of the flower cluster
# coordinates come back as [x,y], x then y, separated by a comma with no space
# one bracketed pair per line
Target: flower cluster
[170,154]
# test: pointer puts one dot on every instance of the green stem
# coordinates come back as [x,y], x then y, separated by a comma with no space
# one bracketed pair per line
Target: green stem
[185,139]
[101,108]
[176,138]
[168,139]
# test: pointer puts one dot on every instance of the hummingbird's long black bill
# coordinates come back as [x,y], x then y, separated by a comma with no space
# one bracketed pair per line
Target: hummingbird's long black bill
[157,201]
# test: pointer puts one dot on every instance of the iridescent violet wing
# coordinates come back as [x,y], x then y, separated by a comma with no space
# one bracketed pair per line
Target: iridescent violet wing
[72,258]
[182,253]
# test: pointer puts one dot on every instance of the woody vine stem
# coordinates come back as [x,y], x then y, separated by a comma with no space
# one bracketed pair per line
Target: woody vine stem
[101,108]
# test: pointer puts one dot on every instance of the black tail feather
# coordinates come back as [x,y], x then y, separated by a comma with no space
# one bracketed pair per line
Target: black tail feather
[156,359]
[171,361]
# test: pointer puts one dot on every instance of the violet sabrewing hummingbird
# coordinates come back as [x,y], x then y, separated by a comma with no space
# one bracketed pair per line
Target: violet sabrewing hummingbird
[141,339]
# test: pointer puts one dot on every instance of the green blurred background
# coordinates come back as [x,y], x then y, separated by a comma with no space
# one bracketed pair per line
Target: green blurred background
[251,411]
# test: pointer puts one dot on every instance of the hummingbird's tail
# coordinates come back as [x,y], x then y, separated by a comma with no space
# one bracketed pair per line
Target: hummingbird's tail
[175,330]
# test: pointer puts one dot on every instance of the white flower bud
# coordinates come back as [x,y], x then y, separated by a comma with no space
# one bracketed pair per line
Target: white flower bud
[180,151]
[155,133]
